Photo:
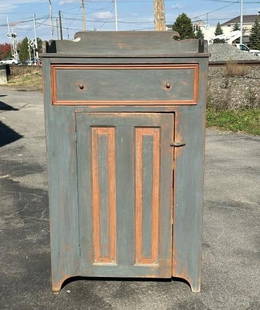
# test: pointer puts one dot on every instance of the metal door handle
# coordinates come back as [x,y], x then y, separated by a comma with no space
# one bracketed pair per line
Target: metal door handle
[177,144]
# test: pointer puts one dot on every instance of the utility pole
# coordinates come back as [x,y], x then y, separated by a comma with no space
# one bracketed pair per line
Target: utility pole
[35,49]
[116,14]
[9,32]
[51,19]
[60,23]
[29,51]
[84,22]
[12,36]
[241,20]
[57,27]
[159,15]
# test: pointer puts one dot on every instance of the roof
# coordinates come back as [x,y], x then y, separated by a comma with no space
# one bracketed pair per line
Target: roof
[247,19]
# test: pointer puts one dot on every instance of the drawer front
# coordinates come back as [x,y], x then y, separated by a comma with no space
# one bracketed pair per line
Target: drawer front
[125,84]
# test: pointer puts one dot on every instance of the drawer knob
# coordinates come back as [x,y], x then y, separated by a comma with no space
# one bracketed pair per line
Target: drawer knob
[168,85]
[81,86]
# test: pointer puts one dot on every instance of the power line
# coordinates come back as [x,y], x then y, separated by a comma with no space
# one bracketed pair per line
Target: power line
[112,20]
[213,11]
[22,21]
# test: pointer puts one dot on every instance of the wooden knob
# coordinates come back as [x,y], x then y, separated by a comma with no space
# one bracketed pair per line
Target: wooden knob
[168,85]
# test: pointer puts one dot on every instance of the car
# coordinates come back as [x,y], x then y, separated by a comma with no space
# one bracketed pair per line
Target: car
[28,62]
[10,61]
[245,48]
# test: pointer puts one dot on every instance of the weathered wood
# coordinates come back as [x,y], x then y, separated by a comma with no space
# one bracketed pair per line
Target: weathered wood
[188,180]
[122,84]
[123,202]
[128,182]
[62,179]
[123,44]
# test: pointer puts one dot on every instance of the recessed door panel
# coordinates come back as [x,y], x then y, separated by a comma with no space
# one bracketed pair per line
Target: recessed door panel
[125,193]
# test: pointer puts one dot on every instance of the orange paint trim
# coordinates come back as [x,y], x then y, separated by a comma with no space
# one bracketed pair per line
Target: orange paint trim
[157,102]
[139,133]
[111,166]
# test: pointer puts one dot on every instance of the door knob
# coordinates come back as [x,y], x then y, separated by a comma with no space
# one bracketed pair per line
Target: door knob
[177,144]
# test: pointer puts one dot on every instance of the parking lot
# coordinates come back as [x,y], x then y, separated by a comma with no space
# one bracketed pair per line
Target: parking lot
[231,240]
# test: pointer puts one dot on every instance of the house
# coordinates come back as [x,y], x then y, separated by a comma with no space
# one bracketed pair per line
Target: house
[227,27]
[248,22]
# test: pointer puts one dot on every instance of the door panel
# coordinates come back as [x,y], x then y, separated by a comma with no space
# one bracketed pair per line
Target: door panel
[103,194]
[125,193]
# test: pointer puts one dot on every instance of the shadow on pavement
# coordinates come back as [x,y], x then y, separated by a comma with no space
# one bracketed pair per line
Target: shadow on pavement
[8,135]
[6,107]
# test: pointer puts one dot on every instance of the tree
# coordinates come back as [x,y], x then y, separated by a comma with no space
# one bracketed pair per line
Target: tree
[23,50]
[254,38]
[39,42]
[5,51]
[183,26]
[218,32]
[236,27]
[199,34]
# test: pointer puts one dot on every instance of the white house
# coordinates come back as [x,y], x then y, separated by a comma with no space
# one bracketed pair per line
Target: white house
[227,27]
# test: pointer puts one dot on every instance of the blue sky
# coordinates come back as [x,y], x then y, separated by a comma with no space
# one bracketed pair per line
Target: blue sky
[133,14]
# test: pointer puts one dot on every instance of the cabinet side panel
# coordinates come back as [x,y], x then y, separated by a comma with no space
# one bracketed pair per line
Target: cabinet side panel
[62,179]
[188,182]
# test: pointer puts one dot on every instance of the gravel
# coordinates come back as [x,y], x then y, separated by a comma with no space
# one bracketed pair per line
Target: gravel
[225,52]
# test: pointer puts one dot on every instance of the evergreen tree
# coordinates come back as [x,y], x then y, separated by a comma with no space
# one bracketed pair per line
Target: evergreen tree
[236,27]
[23,50]
[199,34]
[218,32]
[183,26]
[254,38]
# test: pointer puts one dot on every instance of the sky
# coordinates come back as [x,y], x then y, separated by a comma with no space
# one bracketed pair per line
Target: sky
[132,14]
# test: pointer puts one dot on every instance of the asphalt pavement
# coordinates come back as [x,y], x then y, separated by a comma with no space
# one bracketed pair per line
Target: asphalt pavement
[231,240]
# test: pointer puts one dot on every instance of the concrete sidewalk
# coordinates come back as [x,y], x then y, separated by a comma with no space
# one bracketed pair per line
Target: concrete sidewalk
[231,243]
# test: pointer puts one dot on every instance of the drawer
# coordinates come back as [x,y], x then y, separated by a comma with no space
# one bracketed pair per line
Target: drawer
[125,84]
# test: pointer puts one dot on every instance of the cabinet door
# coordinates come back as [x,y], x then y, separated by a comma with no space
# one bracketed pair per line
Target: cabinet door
[125,193]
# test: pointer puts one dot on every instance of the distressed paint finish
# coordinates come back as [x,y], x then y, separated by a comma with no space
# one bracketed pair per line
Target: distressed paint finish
[124,84]
[189,173]
[127,44]
[125,130]
[63,198]
[147,191]
[103,194]
[70,129]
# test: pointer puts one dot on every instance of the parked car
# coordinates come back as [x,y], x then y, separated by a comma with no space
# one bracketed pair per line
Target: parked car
[28,62]
[245,48]
[32,62]
[10,61]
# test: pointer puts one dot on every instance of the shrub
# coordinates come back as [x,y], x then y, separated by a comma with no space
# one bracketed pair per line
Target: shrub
[234,69]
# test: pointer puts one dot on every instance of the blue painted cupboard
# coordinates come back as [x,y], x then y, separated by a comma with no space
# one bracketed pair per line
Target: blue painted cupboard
[125,119]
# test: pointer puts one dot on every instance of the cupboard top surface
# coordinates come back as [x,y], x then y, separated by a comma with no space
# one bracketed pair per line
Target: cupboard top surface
[125,44]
